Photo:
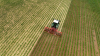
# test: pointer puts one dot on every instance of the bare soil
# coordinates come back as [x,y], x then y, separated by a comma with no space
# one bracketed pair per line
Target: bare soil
[95,43]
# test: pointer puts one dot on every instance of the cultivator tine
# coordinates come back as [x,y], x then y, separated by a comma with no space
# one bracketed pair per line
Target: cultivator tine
[46,29]
[59,34]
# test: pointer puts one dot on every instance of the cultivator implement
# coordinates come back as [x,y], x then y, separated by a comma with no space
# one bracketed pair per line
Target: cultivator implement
[53,31]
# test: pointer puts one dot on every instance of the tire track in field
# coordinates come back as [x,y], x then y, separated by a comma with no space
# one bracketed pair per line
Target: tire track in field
[69,44]
[86,33]
[91,35]
[69,36]
[64,37]
[82,38]
[83,29]
[74,30]
[47,45]
[37,49]
[36,52]
[58,48]
[95,43]
[55,41]
[76,47]
[89,40]
[92,43]
[79,36]
[88,37]
[72,38]
[77,32]
[69,33]
[51,48]
[73,42]
[66,44]
[40,50]
[62,46]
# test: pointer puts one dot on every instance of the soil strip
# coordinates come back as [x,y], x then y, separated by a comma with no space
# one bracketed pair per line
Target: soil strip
[95,43]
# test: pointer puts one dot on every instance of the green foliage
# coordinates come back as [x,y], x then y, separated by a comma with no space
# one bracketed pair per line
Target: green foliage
[13,2]
[9,4]
[95,5]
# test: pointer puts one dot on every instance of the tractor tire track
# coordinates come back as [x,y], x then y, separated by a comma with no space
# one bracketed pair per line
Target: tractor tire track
[92,43]
[70,45]
[74,38]
[52,47]
[66,41]
[89,41]
[69,21]
[45,51]
[81,42]
[86,33]
[79,36]
[95,43]
[44,46]
[37,48]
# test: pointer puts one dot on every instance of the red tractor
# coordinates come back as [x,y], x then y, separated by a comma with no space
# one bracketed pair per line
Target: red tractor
[54,28]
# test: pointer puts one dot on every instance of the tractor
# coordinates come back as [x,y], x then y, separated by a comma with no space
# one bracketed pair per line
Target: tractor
[54,28]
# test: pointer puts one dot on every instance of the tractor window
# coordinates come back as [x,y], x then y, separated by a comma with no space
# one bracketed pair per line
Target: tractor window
[52,24]
[57,26]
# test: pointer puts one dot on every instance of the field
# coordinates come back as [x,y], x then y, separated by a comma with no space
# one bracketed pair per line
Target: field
[22,23]
[81,34]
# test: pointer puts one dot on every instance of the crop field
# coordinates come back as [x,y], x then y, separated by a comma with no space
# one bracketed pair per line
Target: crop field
[81,33]
[22,23]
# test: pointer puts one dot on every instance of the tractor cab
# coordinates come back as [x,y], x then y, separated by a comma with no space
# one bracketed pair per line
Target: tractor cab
[55,24]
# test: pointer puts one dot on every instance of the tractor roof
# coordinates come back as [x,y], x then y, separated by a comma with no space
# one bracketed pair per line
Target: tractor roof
[56,21]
